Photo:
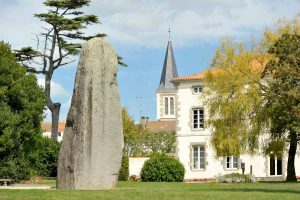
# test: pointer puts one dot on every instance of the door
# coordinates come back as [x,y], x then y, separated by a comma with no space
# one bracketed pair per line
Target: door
[275,166]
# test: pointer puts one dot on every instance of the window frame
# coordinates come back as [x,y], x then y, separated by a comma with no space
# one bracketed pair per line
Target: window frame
[172,106]
[231,163]
[200,125]
[199,90]
[169,110]
[166,106]
[275,167]
[200,158]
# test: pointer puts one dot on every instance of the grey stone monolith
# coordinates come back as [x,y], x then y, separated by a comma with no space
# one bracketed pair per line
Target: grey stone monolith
[91,149]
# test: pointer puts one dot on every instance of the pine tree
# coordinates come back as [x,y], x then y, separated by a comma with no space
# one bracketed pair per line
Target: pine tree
[57,44]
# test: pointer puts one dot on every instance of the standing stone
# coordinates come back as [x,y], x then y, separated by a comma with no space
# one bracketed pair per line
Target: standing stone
[91,150]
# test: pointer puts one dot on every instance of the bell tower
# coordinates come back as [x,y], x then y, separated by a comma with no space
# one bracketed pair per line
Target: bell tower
[166,91]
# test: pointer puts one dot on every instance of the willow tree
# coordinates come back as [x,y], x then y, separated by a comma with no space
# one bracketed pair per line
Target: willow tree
[240,90]
[234,97]
[58,43]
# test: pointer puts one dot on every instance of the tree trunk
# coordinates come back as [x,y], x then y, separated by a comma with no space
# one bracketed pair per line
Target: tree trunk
[55,120]
[53,107]
[291,174]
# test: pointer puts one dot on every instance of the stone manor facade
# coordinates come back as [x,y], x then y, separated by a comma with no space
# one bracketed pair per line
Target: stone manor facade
[180,99]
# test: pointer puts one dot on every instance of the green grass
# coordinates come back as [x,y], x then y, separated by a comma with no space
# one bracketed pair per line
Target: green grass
[172,191]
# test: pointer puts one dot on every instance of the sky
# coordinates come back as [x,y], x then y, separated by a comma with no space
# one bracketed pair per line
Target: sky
[138,30]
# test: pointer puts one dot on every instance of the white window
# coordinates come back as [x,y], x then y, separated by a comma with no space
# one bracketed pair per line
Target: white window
[172,106]
[198,157]
[198,118]
[197,89]
[169,105]
[231,162]
[166,105]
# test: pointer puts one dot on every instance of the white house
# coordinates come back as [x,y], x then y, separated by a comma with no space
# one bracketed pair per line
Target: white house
[181,99]
[46,127]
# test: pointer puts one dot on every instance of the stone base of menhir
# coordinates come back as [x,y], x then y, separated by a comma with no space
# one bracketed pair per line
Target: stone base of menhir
[91,150]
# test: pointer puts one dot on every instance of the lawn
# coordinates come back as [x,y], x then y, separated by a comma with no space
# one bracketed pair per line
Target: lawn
[174,191]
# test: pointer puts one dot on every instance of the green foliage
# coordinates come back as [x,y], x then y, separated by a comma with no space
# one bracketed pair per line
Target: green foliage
[251,90]
[283,26]
[124,171]
[283,96]
[65,23]
[159,142]
[233,96]
[21,103]
[141,142]
[240,90]
[45,158]
[16,168]
[66,4]
[283,93]
[132,134]
[57,44]
[275,147]
[162,168]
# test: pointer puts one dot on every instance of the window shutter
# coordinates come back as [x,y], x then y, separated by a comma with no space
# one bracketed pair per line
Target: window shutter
[223,163]
[191,158]
[239,163]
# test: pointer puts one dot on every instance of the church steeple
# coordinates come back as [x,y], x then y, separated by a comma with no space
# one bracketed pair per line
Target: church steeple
[169,70]
[166,92]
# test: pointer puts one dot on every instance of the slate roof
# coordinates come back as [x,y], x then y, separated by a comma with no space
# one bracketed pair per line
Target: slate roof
[169,70]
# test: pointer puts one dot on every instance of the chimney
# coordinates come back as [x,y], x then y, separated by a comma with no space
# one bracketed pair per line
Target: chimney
[144,121]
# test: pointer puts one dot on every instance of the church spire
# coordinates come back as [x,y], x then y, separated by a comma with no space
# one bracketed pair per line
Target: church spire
[169,70]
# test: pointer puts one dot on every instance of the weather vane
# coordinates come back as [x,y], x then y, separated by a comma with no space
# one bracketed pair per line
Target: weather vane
[169,33]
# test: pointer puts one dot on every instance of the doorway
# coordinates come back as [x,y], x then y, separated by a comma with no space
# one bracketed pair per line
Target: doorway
[275,166]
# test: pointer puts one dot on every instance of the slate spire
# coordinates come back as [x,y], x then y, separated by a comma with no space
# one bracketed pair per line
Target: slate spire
[169,70]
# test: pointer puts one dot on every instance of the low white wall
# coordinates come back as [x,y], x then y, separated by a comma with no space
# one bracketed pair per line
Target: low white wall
[136,164]
[59,136]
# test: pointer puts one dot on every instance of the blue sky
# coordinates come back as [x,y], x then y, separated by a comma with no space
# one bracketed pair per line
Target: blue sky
[138,29]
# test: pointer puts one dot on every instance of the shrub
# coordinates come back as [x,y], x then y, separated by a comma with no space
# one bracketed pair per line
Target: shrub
[22,102]
[162,168]
[16,169]
[235,178]
[46,157]
[124,171]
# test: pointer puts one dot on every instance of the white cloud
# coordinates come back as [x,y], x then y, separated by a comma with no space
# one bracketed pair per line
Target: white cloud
[56,88]
[145,22]
[67,104]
